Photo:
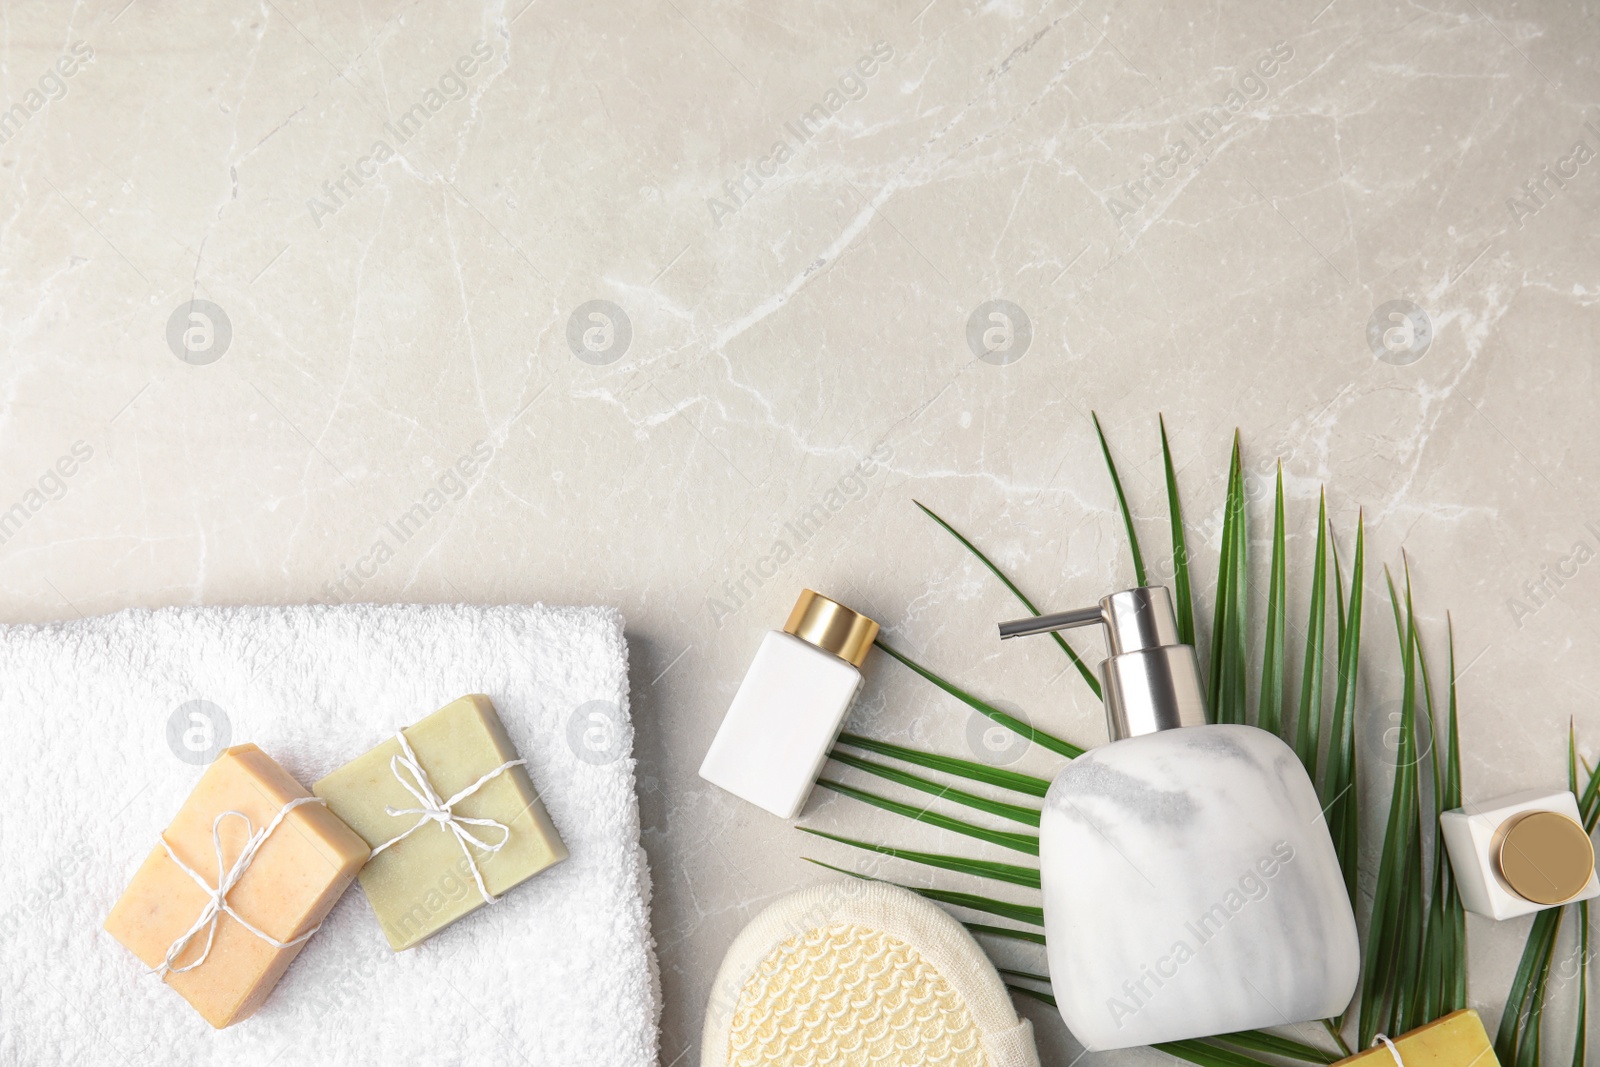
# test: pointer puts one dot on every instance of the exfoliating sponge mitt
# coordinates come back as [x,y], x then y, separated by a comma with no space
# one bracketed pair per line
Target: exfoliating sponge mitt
[853,973]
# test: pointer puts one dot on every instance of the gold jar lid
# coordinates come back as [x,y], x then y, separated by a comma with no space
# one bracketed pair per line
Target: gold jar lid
[832,627]
[1545,857]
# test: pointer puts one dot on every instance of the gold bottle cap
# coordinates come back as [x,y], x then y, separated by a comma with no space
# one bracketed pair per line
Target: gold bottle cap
[832,627]
[1545,857]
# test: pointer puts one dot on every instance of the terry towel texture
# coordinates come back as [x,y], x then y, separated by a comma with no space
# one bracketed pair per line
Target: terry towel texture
[560,971]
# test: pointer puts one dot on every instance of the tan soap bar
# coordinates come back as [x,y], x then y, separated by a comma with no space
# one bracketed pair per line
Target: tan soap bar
[298,874]
[1454,1040]
[424,883]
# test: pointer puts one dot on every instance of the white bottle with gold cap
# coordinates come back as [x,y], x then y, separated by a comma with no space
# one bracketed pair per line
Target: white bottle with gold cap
[1520,854]
[789,708]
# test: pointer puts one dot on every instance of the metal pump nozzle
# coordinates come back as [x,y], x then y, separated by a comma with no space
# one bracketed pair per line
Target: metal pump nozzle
[1150,681]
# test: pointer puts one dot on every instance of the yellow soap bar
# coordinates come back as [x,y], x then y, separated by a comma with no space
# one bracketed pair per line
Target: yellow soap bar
[1454,1040]
[424,883]
[298,874]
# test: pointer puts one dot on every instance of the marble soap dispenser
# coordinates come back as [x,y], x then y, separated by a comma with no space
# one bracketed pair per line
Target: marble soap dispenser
[1190,884]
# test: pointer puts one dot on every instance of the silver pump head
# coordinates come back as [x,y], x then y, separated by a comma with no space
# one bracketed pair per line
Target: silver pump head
[1150,680]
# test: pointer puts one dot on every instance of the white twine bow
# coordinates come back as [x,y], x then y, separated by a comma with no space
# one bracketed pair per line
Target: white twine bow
[438,811]
[1383,1039]
[227,877]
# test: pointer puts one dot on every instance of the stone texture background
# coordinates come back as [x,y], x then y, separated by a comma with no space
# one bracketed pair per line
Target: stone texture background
[783,333]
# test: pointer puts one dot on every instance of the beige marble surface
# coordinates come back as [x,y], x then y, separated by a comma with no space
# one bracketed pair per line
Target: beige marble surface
[403,209]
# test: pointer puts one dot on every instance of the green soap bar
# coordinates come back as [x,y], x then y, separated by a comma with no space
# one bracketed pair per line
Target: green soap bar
[420,885]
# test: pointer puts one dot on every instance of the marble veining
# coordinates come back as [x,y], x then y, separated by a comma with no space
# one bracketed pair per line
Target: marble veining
[1233,917]
[1097,785]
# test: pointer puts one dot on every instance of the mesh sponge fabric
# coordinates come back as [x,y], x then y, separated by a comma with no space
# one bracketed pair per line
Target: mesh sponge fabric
[852,974]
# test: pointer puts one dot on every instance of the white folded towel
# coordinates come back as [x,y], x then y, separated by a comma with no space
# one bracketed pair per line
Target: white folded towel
[99,756]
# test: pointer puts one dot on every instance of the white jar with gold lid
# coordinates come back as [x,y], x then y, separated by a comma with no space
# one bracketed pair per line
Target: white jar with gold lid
[1519,854]
[791,705]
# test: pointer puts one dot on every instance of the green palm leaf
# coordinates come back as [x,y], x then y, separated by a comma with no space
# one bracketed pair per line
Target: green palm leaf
[1183,596]
[1027,975]
[1122,504]
[977,772]
[1456,994]
[1589,810]
[1230,621]
[1339,791]
[1002,931]
[1010,722]
[1391,962]
[1024,913]
[1004,838]
[1014,812]
[1270,714]
[1083,669]
[1524,1052]
[1213,1052]
[1442,987]
[1044,998]
[1000,872]
[1308,728]
[1276,1045]
[1403,994]
[1580,1040]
